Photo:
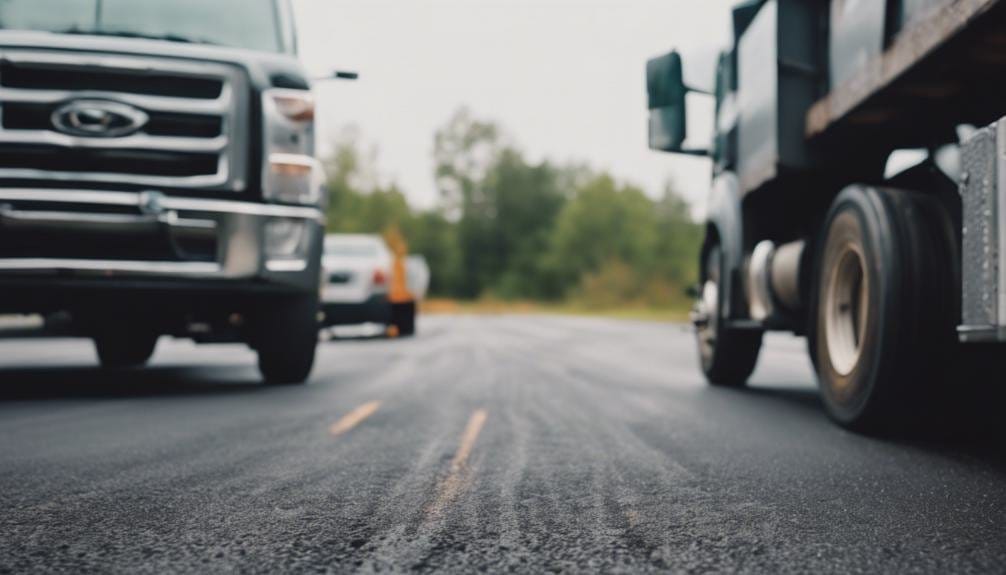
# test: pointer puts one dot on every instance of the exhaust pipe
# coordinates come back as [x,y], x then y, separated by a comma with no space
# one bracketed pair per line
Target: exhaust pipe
[774,279]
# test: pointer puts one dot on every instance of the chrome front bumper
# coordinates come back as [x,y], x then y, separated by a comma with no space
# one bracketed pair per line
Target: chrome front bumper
[237,229]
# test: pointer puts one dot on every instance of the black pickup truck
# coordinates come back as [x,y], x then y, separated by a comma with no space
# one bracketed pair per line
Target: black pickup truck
[157,176]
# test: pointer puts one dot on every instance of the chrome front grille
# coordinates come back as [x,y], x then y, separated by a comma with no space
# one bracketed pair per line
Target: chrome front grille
[193,137]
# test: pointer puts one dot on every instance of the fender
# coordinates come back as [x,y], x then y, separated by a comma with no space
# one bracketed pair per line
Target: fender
[725,224]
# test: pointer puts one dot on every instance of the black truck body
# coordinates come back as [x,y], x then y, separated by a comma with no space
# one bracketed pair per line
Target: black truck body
[809,230]
[157,185]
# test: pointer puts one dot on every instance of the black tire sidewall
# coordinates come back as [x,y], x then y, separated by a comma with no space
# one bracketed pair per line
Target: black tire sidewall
[284,332]
[860,221]
[910,314]
[731,360]
[125,347]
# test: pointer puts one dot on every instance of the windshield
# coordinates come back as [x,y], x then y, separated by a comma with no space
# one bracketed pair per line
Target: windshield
[250,24]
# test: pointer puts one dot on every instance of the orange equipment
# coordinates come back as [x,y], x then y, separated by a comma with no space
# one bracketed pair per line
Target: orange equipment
[399,288]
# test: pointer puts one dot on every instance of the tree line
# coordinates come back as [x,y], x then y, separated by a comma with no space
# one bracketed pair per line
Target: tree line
[508,228]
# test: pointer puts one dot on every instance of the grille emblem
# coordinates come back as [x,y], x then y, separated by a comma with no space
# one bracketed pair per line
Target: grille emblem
[98,119]
[150,203]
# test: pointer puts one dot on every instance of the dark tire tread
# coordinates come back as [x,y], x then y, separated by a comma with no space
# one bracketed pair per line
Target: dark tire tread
[904,238]
[285,335]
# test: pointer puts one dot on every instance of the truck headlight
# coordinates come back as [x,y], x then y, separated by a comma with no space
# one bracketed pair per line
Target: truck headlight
[294,105]
[294,178]
[291,174]
[284,237]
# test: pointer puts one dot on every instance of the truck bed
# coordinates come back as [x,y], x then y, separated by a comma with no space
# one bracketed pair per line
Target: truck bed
[946,68]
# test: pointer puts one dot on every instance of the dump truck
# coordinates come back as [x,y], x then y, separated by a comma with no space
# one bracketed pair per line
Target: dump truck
[893,274]
[158,176]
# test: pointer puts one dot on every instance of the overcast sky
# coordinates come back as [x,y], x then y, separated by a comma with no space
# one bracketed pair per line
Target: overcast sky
[565,78]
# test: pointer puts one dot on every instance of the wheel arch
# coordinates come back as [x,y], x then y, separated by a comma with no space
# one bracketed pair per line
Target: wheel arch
[725,227]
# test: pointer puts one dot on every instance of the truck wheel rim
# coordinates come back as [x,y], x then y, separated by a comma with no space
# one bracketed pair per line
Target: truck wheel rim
[845,310]
[710,301]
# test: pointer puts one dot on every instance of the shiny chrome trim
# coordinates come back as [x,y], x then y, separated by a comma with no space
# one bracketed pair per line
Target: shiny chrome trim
[167,202]
[232,105]
[70,196]
[246,208]
[102,267]
[286,265]
[152,103]
[93,119]
[128,223]
[112,178]
[132,142]
[760,304]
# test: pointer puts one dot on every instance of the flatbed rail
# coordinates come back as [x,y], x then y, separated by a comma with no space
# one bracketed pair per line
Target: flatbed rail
[931,67]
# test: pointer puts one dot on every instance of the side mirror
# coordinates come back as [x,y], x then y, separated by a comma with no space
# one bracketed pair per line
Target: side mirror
[665,85]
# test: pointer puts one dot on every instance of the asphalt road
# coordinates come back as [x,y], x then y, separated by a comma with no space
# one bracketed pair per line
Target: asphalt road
[505,443]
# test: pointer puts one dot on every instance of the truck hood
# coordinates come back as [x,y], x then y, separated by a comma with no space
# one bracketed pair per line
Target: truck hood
[265,69]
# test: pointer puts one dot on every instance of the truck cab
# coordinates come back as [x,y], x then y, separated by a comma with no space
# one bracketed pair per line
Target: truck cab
[158,177]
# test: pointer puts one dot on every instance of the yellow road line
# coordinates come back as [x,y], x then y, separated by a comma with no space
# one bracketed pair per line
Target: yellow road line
[468,438]
[455,480]
[354,418]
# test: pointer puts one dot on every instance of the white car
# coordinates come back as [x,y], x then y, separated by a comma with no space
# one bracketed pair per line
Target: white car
[358,287]
[357,272]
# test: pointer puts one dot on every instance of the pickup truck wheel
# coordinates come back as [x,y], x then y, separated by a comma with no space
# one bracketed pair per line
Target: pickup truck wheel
[285,335]
[728,356]
[118,349]
[403,317]
[884,322]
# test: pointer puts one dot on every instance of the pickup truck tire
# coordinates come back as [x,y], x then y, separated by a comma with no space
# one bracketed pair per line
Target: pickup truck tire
[123,348]
[884,317]
[285,335]
[728,356]
[403,317]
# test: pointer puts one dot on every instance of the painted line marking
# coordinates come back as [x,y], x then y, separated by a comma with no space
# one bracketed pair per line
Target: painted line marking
[354,418]
[452,485]
[468,438]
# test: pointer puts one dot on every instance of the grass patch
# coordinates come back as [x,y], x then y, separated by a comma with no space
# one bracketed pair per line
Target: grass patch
[489,306]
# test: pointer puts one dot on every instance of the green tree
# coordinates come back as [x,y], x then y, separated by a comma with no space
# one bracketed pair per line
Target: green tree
[431,234]
[602,222]
[515,229]
[679,239]
[463,152]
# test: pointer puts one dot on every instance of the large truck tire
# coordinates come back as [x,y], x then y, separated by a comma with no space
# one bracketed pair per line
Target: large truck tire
[883,307]
[125,348]
[728,355]
[285,335]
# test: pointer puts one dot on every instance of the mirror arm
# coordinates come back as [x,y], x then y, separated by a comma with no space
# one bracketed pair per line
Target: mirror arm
[694,152]
[338,75]
[698,91]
